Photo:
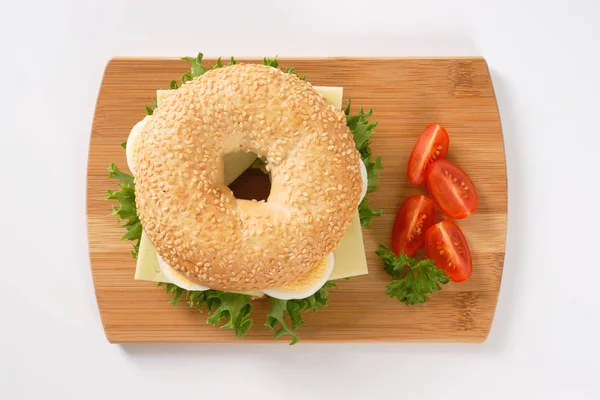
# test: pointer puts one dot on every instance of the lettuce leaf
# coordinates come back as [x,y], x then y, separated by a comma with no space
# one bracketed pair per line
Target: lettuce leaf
[126,208]
[233,308]
[294,309]
[196,69]
[292,71]
[363,129]
[276,316]
[271,62]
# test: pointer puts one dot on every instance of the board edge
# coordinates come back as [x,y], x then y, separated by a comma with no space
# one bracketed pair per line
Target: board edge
[113,337]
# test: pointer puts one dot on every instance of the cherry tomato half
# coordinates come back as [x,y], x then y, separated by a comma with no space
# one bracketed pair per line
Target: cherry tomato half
[451,189]
[431,145]
[414,217]
[446,245]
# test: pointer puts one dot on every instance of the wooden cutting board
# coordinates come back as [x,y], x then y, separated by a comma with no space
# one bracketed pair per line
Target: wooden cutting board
[407,94]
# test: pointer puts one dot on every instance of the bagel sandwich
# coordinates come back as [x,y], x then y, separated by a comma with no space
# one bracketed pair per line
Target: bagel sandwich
[195,238]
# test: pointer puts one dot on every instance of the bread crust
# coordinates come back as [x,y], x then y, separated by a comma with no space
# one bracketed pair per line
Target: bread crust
[198,226]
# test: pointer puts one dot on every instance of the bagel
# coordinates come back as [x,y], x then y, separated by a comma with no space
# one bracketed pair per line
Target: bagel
[196,224]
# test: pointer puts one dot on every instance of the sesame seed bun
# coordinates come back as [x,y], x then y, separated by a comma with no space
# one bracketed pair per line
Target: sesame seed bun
[198,227]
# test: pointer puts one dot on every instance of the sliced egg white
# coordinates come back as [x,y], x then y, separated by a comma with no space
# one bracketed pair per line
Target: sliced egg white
[133,143]
[177,277]
[363,174]
[300,290]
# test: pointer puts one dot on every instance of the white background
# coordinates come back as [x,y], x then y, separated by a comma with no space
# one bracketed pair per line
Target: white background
[544,58]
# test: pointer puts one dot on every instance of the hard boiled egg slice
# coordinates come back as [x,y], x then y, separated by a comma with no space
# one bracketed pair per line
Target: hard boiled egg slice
[306,285]
[363,174]
[133,143]
[178,278]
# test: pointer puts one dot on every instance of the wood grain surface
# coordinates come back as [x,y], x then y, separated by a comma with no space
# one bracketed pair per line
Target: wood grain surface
[407,94]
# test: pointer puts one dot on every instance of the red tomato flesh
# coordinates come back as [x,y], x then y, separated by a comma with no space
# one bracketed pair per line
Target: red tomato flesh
[431,145]
[447,246]
[413,219]
[451,189]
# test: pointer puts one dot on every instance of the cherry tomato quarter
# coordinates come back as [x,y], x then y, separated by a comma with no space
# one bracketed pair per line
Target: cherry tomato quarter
[413,219]
[446,245]
[451,189]
[431,145]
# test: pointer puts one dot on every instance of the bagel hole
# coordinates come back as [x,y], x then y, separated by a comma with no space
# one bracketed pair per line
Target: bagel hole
[252,184]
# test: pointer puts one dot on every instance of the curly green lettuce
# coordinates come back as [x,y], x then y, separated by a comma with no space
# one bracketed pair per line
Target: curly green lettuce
[363,129]
[294,309]
[233,310]
[196,69]
[415,278]
[126,210]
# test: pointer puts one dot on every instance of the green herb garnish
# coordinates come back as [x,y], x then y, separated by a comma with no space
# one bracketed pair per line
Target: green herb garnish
[416,279]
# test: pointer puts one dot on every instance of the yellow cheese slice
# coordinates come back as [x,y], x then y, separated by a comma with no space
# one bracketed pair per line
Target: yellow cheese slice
[350,258]
[332,94]
[161,96]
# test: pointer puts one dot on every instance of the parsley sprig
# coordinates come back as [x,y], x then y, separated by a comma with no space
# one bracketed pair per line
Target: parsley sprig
[416,279]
